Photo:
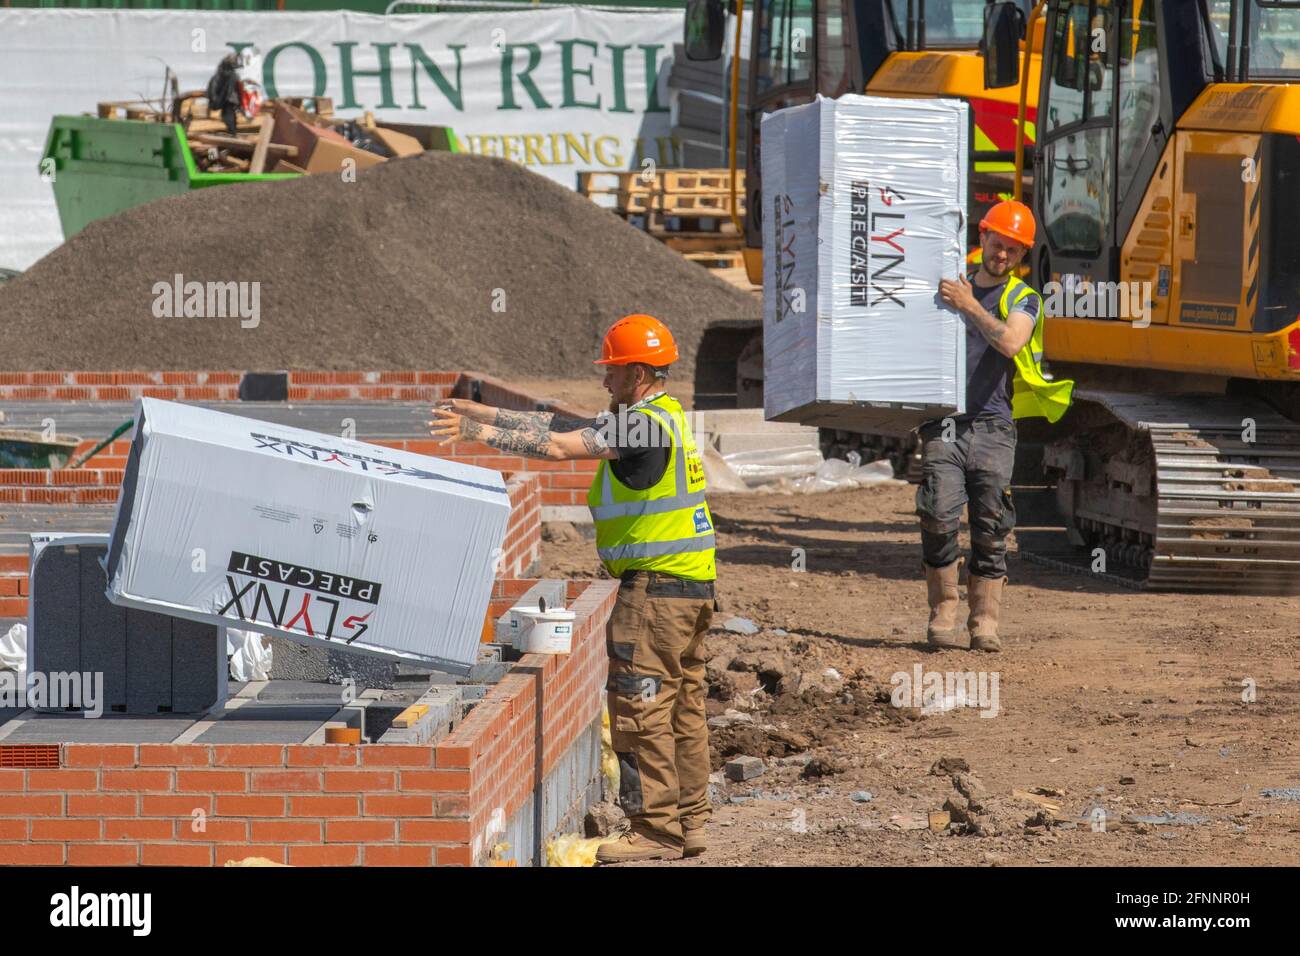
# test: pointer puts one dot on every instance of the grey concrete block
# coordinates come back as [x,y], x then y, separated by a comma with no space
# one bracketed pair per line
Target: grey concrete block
[488,672]
[148,662]
[293,661]
[102,631]
[56,609]
[775,443]
[196,650]
[743,768]
[362,668]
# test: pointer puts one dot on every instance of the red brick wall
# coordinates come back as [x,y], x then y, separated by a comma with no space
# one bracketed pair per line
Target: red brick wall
[312,805]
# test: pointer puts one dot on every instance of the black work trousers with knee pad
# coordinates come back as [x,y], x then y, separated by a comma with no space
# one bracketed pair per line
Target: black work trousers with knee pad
[967,463]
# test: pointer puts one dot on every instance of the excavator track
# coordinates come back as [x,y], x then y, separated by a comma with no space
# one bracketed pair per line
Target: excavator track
[1202,493]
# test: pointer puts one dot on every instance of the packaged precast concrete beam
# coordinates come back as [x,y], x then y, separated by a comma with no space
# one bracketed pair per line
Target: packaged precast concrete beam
[306,536]
[864,212]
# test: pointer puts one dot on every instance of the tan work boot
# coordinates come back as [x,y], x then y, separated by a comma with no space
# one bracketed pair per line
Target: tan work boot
[695,841]
[985,595]
[941,587]
[636,846]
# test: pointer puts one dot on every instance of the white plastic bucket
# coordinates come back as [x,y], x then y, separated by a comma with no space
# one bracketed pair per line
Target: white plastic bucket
[544,632]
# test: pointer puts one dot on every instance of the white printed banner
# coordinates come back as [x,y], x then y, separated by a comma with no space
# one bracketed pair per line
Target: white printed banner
[559,89]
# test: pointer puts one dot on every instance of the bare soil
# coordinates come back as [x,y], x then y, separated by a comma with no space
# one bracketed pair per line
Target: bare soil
[439,261]
[1108,698]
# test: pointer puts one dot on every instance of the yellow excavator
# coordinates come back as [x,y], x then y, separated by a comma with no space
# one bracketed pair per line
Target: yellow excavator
[1166,172]
[1167,194]
[916,48]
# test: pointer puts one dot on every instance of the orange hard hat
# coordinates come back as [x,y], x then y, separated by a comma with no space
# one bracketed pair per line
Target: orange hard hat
[1011,219]
[638,338]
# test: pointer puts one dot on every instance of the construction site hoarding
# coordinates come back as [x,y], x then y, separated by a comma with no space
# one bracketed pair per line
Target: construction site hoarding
[558,89]
[864,212]
[307,536]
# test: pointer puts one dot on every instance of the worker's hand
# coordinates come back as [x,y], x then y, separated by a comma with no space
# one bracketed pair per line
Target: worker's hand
[958,294]
[483,414]
[447,426]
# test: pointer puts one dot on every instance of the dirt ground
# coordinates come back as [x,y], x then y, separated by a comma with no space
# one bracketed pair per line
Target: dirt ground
[1107,698]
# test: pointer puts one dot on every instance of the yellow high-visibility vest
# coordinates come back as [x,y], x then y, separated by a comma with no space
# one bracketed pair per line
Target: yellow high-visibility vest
[1033,395]
[667,527]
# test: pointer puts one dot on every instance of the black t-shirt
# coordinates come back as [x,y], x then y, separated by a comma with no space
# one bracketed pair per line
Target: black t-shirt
[642,452]
[989,373]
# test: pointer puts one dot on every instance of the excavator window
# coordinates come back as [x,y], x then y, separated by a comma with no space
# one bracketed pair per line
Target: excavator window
[1076,141]
[1274,36]
[834,75]
[785,43]
[1139,89]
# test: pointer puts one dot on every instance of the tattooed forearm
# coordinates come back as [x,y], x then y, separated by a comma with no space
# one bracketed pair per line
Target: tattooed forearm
[533,443]
[593,441]
[509,420]
[539,421]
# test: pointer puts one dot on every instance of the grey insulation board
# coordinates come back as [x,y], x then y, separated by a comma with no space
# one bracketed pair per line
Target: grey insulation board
[105,653]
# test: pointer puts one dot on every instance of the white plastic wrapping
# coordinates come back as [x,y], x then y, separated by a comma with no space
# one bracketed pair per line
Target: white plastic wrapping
[864,211]
[307,536]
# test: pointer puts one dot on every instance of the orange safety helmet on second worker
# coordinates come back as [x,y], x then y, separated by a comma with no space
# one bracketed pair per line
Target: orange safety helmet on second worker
[638,338]
[1011,219]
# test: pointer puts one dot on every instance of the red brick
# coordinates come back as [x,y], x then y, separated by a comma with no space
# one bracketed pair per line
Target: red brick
[211,781]
[175,755]
[138,829]
[170,392]
[435,831]
[222,378]
[359,781]
[452,805]
[93,755]
[395,755]
[324,806]
[321,755]
[399,855]
[241,806]
[43,805]
[72,394]
[24,476]
[13,829]
[285,831]
[234,852]
[248,755]
[180,378]
[443,780]
[113,393]
[77,476]
[451,755]
[582,481]
[454,856]
[61,780]
[103,854]
[213,831]
[65,830]
[175,854]
[331,854]
[15,378]
[360,831]
[32,854]
[88,496]
[49,378]
[288,780]
[397,805]
[9,587]
[136,378]
[174,806]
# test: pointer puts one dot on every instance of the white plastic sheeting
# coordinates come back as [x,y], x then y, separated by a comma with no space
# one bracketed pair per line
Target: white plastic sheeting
[864,212]
[13,649]
[304,535]
[250,655]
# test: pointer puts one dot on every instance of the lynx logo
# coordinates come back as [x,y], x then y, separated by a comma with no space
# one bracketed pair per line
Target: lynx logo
[73,909]
[885,252]
[293,597]
[702,520]
[784,261]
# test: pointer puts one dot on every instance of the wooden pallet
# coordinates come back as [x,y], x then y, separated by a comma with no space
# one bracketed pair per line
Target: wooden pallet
[717,258]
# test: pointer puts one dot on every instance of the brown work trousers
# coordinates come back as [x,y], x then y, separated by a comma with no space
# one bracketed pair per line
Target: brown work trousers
[655,642]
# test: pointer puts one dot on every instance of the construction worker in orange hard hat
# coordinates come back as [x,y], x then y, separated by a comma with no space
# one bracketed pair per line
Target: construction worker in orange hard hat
[654,532]
[967,460]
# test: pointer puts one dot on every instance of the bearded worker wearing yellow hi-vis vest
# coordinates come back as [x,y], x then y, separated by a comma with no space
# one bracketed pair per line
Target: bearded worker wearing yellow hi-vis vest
[655,534]
[968,460]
